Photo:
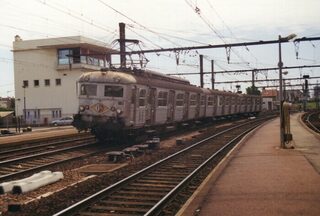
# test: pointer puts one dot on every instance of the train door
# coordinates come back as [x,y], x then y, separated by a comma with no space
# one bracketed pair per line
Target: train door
[171,106]
[152,105]
[197,107]
[214,113]
[133,106]
[186,106]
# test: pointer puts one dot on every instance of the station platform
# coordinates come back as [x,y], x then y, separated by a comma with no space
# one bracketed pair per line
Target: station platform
[38,133]
[260,178]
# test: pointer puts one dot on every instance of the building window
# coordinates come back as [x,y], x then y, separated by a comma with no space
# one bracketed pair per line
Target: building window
[25,84]
[36,83]
[69,56]
[47,82]
[58,82]
[56,113]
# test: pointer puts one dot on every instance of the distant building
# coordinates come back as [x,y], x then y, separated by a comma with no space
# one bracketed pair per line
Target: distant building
[293,95]
[6,119]
[269,99]
[317,91]
[45,73]
[6,103]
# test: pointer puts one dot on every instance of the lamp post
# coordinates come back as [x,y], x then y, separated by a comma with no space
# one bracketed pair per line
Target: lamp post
[280,65]
[305,92]
[24,104]
[17,117]
[284,86]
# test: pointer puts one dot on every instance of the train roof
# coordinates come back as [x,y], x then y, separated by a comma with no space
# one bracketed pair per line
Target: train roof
[128,76]
[147,77]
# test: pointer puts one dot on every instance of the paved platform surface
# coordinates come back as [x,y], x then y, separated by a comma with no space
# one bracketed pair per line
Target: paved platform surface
[38,133]
[259,178]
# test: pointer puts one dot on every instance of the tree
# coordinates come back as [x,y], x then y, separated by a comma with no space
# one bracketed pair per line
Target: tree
[252,90]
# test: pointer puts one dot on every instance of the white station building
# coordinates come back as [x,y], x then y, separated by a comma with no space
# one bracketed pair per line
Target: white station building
[46,72]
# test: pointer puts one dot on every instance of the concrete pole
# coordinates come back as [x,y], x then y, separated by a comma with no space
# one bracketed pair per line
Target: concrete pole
[280,65]
[201,71]
[122,45]
[212,74]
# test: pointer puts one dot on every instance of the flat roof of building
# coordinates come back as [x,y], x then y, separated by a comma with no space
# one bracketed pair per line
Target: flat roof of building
[59,42]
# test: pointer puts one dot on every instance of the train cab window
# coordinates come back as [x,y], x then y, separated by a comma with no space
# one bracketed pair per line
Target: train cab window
[193,100]
[162,98]
[180,99]
[113,91]
[88,89]
[142,97]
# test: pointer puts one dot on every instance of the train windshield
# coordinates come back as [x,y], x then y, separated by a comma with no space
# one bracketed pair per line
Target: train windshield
[88,90]
[113,91]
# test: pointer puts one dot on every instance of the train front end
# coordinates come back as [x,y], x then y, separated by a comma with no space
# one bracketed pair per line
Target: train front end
[104,99]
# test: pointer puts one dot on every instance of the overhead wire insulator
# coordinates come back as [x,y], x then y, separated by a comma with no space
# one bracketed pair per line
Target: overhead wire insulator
[177,57]
[296,48]
[228,50]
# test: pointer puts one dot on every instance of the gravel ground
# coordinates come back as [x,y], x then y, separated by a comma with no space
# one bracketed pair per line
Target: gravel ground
[71,194]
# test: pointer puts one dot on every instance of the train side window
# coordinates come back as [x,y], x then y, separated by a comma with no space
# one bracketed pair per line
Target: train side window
[162,98]
[142,97]
[180,99]
[203,100]
[210,101]
[88,90]
[193,100]
[113,91]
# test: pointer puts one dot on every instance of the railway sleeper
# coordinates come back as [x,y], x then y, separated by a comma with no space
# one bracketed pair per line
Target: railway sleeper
[150,187]
[157,182]
[169,175]
[32,164]
[11,169]
[163,178]
[133,198]
[127,203]
[113,209]
[142,193]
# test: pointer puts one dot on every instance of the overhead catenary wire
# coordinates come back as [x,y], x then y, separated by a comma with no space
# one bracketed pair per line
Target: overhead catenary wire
[207,22]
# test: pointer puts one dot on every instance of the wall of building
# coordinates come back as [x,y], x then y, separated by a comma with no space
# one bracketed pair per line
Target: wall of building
[37,60]
[268,104]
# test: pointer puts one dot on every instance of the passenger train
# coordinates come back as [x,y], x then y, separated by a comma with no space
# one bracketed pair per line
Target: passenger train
[115,103]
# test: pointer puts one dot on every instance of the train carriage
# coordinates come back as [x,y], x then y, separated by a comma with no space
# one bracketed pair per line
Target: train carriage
[114,102]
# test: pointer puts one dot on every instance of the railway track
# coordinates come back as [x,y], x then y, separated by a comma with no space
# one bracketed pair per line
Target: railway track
[151,190]
[312,120]
[29,149]
[13,168]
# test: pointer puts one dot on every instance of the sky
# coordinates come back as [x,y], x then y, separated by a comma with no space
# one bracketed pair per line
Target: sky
[179,23]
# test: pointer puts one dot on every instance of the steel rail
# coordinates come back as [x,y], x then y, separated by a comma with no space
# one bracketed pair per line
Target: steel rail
[98,195]
[38,168]
[313,127]
[156,209]
[11,151]
[45,153]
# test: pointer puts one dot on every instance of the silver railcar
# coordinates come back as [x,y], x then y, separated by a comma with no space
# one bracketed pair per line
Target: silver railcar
[115,102]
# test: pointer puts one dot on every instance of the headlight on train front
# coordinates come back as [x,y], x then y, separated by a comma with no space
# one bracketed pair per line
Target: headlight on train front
[81,108]
[119,111]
